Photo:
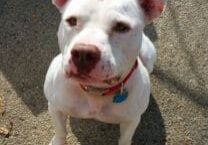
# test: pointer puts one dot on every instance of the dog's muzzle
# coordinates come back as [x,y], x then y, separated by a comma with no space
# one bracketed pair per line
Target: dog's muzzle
[112,90]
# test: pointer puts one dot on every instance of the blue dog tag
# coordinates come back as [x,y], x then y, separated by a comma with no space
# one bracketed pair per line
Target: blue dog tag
[120,96]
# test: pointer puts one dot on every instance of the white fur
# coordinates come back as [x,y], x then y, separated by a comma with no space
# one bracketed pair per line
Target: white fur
[118,54]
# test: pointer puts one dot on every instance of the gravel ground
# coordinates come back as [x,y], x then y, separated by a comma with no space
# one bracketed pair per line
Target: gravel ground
[177,114]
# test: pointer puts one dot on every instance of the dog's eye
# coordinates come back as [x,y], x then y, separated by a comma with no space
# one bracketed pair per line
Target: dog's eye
[121,27]
[72,21]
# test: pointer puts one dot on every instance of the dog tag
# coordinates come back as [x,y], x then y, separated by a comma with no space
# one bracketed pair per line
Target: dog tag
[120,96]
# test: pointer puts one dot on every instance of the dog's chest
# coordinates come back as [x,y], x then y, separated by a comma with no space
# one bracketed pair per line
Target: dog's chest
[99,108]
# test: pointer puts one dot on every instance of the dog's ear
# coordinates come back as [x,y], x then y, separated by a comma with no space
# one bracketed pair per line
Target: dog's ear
[152,8]
[60,3]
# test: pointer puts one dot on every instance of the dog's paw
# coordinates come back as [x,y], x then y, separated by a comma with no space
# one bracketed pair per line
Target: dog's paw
[57,141]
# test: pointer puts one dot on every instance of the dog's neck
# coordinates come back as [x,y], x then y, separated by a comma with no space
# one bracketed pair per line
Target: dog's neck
[112,90]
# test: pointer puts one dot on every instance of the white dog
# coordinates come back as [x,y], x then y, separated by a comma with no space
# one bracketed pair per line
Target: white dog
[103,69]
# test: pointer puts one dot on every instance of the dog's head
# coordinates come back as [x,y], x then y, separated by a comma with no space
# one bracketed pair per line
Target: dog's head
[100,39]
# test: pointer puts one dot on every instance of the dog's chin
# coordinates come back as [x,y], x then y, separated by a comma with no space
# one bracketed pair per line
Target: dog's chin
[93,81]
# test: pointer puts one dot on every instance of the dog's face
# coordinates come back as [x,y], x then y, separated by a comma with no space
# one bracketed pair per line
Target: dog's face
[100,39]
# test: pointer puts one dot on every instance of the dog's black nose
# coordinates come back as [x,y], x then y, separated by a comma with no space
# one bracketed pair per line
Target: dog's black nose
[85,57]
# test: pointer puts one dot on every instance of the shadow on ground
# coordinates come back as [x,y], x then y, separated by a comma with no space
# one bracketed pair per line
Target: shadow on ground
[151,130]
[198,94]
[150,31]
[27,45]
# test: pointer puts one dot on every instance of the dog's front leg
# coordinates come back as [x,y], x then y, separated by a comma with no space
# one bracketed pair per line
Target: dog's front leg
[127,130]
[59,120]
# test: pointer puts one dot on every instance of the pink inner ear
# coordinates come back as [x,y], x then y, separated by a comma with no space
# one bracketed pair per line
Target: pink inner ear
[61,3]
[152,8]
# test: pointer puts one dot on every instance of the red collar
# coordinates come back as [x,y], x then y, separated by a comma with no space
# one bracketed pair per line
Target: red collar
[112,90]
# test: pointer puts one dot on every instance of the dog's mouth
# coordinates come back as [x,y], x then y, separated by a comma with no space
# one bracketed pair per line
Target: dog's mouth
[101,87]
[89,80]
